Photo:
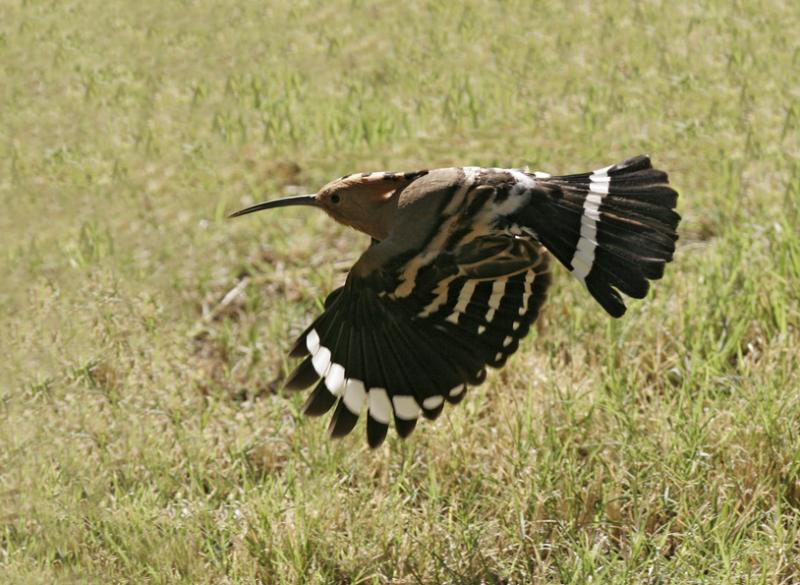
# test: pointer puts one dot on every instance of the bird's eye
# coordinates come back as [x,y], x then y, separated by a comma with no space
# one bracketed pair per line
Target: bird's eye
[334,199]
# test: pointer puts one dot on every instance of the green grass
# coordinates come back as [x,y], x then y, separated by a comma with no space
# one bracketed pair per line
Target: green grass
[144,437]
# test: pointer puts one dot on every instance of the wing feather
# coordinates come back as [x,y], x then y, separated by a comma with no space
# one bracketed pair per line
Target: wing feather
[398,357]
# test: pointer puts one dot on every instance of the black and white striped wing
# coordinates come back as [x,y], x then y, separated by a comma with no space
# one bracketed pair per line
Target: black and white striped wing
[401,355]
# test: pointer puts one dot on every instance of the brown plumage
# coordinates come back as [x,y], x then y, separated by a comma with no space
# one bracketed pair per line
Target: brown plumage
[457,273]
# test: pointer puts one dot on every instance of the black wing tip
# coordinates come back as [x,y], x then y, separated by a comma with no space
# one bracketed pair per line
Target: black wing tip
[376,433]
[302,377]
[342,422]
[454,397]
[433,413]
[319,401]
[404,427]
[299,348]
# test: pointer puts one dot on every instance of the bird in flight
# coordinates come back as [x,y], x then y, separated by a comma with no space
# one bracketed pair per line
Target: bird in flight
[457,272]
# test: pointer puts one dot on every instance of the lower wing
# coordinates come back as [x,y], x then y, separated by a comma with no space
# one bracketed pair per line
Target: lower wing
[402,356]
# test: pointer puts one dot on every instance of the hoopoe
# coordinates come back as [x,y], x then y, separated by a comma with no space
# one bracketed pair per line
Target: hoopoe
[457,272]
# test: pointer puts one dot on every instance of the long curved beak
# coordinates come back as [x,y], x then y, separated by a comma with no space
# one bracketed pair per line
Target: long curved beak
[285,202]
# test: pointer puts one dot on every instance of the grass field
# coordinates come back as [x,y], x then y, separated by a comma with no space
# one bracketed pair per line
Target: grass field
[144,437]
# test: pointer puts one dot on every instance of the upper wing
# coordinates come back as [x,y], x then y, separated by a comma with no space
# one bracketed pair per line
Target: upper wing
[401,354]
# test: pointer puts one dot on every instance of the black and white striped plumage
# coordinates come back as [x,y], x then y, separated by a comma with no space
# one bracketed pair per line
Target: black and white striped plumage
[402,356]
[457,274]
[614,228]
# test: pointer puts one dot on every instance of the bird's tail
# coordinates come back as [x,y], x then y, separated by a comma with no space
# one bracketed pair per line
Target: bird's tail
[614,228]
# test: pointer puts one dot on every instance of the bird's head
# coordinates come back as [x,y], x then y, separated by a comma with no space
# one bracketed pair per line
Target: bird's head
[365,201]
